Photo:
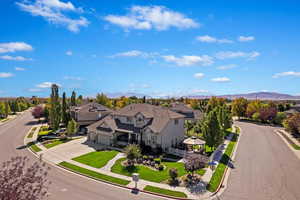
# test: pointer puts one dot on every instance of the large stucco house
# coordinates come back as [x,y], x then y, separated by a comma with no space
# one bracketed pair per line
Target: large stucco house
[145,124]
[88,114]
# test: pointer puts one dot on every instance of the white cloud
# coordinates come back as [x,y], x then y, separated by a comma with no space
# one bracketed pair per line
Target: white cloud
[6,74]
[52,11]
[237,54]
[19,69]
[289,73]
[15,58]
[11,47]
[151,17]
[135,53]
[69,53]
[74,78]
[46,85]
[220,79]
[189,60]
[246,38]
[35,90]
[210,39]
[225,67]
[199,75]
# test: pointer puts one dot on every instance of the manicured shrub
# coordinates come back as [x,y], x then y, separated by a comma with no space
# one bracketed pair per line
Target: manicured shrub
[292,123]
[161,167]
[157,160]
[256,116]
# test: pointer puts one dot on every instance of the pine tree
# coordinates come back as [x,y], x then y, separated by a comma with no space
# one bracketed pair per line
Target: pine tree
[73,99]
[54,108]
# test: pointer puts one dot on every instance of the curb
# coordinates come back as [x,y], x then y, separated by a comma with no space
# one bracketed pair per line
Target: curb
[223,184]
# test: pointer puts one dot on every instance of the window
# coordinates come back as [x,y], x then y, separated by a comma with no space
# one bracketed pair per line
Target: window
[128,119]
[176,121]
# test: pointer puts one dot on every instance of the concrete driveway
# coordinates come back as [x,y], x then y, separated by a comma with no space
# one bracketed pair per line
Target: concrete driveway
[67,151]
[265,168]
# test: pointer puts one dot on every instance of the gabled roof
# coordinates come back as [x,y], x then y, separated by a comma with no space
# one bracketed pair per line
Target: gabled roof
[158,118]
[91,107]
[186,111]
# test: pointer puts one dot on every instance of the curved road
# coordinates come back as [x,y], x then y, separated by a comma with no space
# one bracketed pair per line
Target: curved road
[265,168]
[64,184]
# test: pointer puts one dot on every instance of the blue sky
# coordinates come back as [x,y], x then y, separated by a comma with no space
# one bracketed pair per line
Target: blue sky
[158,48]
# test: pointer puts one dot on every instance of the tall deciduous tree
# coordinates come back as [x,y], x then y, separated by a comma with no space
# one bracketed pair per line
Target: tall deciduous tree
[7,110]
[55,109]
[103,100]
[64,113]
[72,127]
[73,99]
[239,107]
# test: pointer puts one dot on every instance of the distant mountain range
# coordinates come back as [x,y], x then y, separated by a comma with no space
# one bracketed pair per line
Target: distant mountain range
[126,94]
[254,95]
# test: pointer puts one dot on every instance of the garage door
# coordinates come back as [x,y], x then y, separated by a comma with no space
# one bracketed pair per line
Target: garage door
[104,140]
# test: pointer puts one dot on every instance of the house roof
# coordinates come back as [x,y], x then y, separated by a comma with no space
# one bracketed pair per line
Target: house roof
[186,111]
[159,117]
[91,107]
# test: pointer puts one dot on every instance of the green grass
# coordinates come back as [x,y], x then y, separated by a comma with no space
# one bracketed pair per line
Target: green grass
[44,132]
[94,174]
[291,142]
[30,135]
[149,174]
[219,171]
[33,147]
[96,159]
[165,191]
[55,142]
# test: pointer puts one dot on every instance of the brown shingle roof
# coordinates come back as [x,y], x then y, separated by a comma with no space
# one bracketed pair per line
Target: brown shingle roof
[159,117]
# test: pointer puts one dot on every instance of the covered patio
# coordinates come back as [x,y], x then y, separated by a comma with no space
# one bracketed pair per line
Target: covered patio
[192,143]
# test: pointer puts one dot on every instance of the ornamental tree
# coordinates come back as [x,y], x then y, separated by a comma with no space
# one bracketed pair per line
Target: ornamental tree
[20,180]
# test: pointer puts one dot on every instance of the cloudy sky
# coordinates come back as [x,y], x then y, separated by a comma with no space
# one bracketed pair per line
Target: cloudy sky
[158,48]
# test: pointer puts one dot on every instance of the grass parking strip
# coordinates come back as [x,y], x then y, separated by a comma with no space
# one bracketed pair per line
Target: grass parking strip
[33,147]
[30,135]
[219,171]
[165,191]
[295,146]
[93,174]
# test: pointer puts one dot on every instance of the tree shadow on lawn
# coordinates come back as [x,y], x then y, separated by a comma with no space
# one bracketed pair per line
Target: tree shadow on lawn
[226,160]
[130,169]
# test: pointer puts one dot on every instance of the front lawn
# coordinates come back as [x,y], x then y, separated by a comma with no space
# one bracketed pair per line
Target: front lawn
[149,174]
[165,191]
[94,174]
[96,159]
[219,171]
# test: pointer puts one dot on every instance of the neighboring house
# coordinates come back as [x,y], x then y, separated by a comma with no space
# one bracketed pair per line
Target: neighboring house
[293,110]
[189,113]
[88,113]
[145,124]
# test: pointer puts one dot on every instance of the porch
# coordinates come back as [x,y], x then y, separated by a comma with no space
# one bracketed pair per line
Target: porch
[124,137]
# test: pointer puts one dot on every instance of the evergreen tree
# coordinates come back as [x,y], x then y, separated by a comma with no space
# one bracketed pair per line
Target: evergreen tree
[64,114]
[73,99]
[54,113]
[211,130]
